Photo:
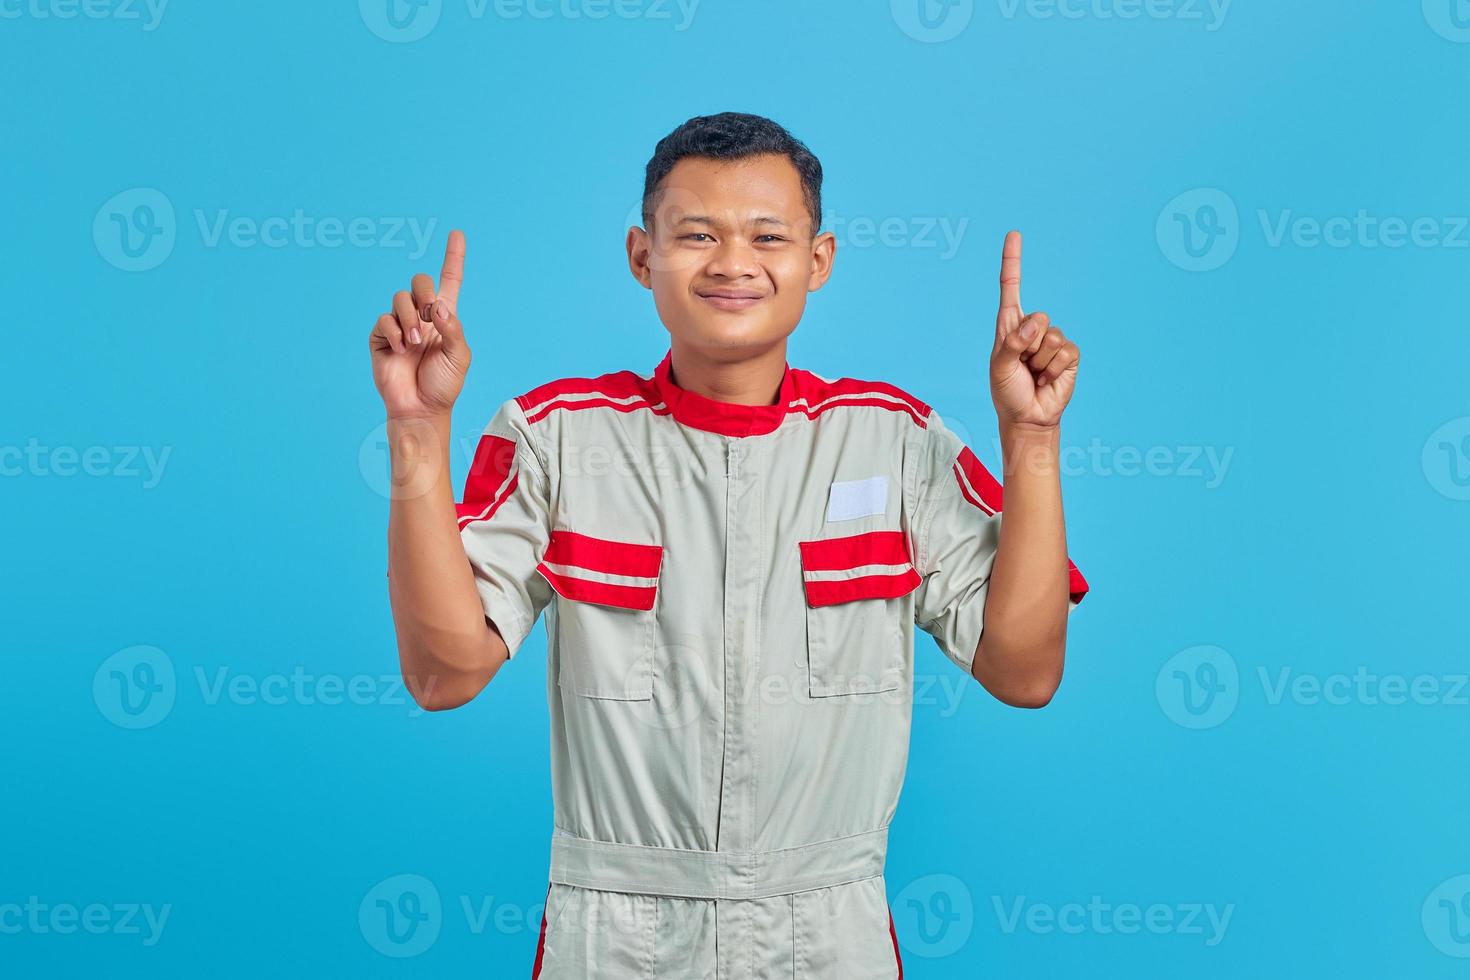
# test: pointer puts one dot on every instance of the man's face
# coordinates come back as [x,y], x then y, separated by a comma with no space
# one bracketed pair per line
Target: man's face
[730,253]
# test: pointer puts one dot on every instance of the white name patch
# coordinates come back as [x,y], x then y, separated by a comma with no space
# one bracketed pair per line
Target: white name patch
[851,499]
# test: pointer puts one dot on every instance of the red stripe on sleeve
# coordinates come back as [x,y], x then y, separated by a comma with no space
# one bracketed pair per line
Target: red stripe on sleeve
[991,495]
[985,484]
[494,459]
[469,513]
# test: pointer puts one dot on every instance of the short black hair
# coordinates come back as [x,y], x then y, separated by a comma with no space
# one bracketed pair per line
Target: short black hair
[734,136]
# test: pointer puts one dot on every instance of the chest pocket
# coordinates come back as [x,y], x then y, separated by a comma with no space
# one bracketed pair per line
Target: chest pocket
[605,613]
[854,607]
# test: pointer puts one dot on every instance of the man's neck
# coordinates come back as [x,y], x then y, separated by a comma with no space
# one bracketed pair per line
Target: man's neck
[738,377]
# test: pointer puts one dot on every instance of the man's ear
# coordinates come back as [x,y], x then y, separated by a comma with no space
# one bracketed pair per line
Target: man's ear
[824,253]
[639,247]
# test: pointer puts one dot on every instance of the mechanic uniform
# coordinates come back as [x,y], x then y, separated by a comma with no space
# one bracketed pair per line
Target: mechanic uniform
[730,596]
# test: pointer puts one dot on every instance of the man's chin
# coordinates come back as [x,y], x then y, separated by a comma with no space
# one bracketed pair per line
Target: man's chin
[729,332]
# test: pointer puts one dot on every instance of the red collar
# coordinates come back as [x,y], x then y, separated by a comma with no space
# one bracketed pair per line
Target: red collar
[725,418]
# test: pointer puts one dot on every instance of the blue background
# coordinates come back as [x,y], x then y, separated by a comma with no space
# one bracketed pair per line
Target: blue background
[1166,772]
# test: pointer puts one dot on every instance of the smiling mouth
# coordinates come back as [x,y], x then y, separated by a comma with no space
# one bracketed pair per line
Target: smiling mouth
[733,299]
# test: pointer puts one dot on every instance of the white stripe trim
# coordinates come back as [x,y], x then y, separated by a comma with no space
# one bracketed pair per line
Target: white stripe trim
[861,571]
[964,479]
[583,396]
[494,498]
[607,578]
[883,395]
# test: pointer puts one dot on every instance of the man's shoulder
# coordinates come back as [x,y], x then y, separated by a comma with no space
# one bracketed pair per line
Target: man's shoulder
[625,388]
[819,393]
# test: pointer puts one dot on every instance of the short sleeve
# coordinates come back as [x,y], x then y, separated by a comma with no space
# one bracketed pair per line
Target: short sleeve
[957,531]
[505,524]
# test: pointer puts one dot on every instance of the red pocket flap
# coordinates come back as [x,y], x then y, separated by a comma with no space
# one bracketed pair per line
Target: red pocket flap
[874,565]
[610,573]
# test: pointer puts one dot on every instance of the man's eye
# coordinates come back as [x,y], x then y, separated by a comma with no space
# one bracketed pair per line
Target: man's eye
[697,235]
[770,238]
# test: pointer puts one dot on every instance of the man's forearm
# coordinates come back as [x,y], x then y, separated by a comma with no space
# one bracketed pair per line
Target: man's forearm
[446,650]
[1020,655]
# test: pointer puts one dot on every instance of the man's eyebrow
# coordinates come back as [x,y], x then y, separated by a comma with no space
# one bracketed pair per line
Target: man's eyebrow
[701,219]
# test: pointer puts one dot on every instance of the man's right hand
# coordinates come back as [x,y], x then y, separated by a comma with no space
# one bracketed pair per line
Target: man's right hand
[420,357]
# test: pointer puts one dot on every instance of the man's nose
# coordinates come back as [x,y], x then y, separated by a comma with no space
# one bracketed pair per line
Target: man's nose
[733,259]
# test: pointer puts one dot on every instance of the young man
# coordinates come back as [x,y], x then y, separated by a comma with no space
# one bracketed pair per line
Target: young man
[732,554]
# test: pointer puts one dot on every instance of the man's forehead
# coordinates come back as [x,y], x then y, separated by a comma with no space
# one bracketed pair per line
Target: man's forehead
[749,188]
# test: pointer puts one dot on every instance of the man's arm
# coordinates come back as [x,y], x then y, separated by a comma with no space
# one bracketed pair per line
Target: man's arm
[1033,371]
[1019,658]
[447,649]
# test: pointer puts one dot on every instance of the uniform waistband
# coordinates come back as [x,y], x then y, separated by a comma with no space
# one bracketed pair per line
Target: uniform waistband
[687,873]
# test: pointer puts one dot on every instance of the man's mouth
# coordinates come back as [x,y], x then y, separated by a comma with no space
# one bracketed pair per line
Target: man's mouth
[731,299]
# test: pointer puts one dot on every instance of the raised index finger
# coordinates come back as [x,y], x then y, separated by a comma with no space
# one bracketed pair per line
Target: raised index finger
[452,274]
[1010,278]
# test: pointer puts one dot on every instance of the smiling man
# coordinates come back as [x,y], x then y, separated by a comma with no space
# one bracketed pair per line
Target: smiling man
[730,609]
